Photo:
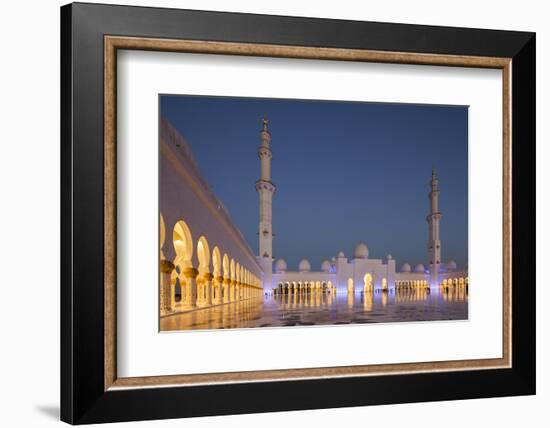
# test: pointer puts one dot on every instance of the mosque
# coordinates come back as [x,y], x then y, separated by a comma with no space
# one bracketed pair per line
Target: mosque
[205,260]
[359,273]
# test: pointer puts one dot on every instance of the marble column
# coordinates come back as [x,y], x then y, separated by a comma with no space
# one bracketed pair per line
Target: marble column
[232,286]
[219,290]
[200,291]
[207,283]
[191,288]
[226,287]
[166,268]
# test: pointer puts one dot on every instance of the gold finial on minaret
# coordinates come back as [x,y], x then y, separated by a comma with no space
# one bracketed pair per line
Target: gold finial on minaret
[264,134]
[434,174]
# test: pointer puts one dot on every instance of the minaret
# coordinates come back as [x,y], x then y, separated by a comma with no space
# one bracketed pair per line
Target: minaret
[265,189]
[434,244]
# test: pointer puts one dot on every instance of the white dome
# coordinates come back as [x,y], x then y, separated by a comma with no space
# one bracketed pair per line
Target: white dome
[341,254]
[325,266]
[390,257]
[451,265]
[280,265]
[304,266]
[361,251]
[419,268]
[406,268]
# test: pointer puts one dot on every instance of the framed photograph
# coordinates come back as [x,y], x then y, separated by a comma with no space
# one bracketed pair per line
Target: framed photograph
[266,213]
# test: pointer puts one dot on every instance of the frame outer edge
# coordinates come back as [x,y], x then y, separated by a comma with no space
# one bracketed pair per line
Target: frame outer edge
[66,225]
[82,401]
[524,214]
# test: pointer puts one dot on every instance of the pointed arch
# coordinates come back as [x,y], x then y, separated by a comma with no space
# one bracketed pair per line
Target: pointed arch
[162,235]
[351,288]
[367,279]
[183,243]
[232,269]
[225,265]
[182,240]
[217,275]
[203,255]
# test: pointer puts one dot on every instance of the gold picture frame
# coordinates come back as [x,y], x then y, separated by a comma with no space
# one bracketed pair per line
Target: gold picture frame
[114,43]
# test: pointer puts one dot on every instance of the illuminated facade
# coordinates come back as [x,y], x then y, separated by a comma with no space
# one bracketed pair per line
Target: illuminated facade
[359,274]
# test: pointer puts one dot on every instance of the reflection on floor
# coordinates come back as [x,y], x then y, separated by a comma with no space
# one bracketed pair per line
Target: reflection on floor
[320,308]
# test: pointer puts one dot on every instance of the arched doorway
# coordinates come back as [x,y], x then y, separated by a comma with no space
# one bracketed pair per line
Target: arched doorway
[226,278]
[238,279]
[177,290]
[183,274]
[204,278]
[232,280]
[217,276]
[165,271]
[162,236]
[367,287]
[351,289]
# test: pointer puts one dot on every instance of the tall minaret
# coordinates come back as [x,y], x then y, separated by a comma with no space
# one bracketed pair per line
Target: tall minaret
[265,189]
[434,243]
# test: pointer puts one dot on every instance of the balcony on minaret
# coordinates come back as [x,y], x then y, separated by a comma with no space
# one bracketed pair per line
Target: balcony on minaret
[264,152]
[263,185]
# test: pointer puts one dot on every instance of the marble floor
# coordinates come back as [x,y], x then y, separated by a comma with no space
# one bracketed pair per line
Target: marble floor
[319,308]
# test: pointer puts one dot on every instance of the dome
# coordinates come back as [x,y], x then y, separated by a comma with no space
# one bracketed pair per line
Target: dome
[341,254]
[390,257]
[419,268]
[325,266]
[280,265]
[406,268]
[451,265]
[361,251]
[304,266]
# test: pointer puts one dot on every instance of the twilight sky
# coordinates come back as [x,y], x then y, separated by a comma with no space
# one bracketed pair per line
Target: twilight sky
[345,172]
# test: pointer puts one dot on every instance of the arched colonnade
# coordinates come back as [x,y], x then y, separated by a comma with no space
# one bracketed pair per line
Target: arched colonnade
[213,279]
[304,287]
[461,282]
[414,284]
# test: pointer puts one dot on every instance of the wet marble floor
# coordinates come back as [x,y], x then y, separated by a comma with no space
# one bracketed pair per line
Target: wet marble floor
[320,308]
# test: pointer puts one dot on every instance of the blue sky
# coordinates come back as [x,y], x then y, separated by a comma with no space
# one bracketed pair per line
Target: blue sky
[345,172]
